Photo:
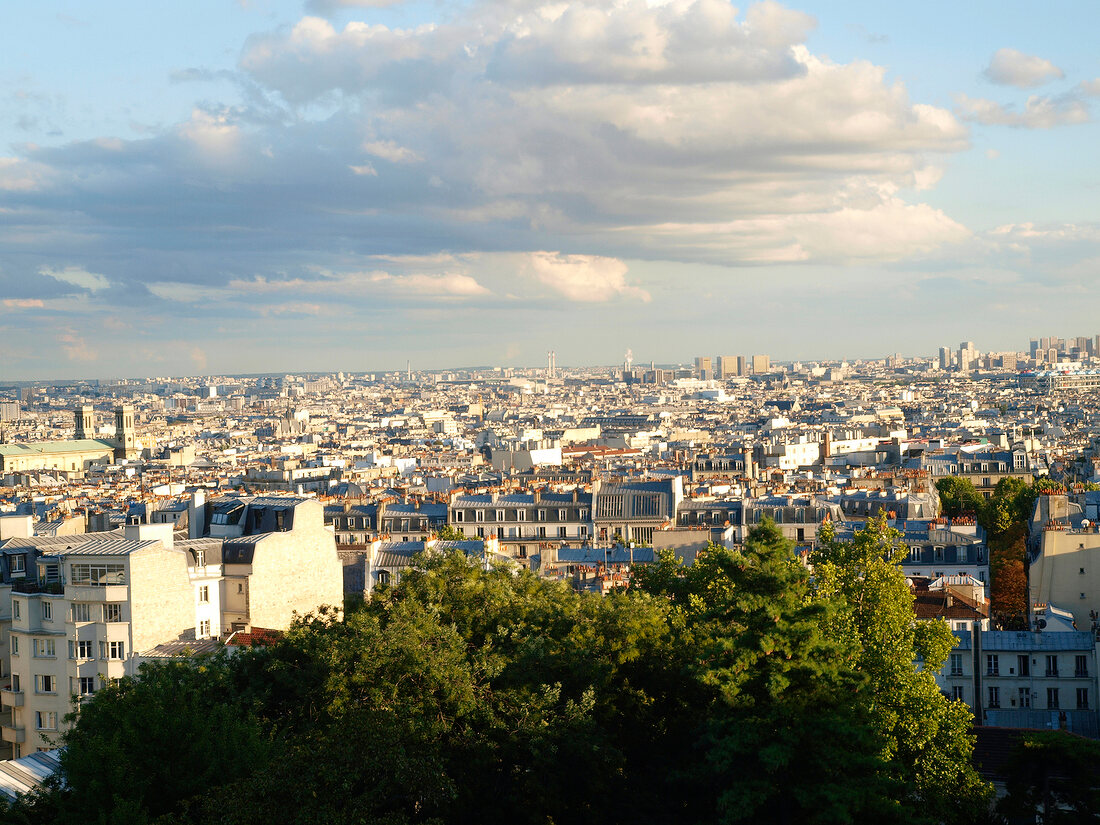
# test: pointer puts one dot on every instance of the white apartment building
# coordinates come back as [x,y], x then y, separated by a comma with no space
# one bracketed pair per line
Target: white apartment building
[105,603]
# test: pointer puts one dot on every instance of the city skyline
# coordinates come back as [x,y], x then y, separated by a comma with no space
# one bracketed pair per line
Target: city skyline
[235,188]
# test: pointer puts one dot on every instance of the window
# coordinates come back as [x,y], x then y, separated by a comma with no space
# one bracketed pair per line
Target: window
[561,532]
[479,515]
[914,553]
[204,594]
[15,685]
[45,684]
[383,577]
[460,515]
[117,650]
[1025,697]
[582,515]
[561,515]
[1082,698]
[956,664]
[521,515]
[958,693]
[500,515]
[1052,698]
[1081,666]
[521,551]
[540,515]
[14,645]
[80,650]
[112,612]
[992,665]
[45,721]
[102,650]
[85,685]
[542,532]
[45,647]
[200,558]
[47,610]
[16,609]
[204,628]
[994,697]
[18,564]
[82,612]
[1052,666]
[1023,665]
[99,574]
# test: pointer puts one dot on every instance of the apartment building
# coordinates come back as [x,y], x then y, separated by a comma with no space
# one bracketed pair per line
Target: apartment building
[937,549]
[1066,571]
[634,510]
[521,522]
[92,608]
[1026,679]
[405,521]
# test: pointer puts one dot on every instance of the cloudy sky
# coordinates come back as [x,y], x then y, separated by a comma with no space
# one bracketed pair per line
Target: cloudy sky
[220,186]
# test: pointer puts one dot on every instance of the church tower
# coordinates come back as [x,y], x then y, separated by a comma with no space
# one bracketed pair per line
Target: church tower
[125,438]
[85,423]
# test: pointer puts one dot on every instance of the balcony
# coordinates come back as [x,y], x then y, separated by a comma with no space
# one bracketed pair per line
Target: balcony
[11,698]
[31,587]
[97,593]
[9,733]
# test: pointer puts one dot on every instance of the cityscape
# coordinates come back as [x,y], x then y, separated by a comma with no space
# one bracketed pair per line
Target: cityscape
[594,412]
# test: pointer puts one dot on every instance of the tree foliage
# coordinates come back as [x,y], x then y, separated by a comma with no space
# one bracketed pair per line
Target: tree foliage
[1055,775]
[924,737]
[734,690]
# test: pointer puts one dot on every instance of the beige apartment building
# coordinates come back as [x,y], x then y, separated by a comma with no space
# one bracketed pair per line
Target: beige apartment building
[1066,573]
[102,604]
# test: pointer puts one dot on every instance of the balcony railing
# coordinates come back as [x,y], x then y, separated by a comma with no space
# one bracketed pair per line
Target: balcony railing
[30,586]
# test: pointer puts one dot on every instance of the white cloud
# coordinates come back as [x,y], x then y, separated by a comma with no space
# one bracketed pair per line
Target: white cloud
[18,175]
[388,150]
[364,169]
[447,284]
[1009,67]
[583,278]
[76,276]
[23,303]
[1039,112]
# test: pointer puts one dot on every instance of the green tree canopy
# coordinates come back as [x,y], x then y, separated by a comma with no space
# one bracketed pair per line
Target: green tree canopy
[924,737]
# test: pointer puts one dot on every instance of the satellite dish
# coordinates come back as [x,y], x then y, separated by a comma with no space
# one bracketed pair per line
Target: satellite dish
[1042,623]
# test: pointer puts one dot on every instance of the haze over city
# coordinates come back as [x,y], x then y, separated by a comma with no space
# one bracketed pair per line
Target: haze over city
[219,187]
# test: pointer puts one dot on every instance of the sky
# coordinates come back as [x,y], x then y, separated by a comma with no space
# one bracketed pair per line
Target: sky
[236,186]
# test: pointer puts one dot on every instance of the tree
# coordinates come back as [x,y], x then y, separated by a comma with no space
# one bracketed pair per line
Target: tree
[145,745]
[1055,774]
[958,497]
[785,741]
[449,533]
[924,737]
